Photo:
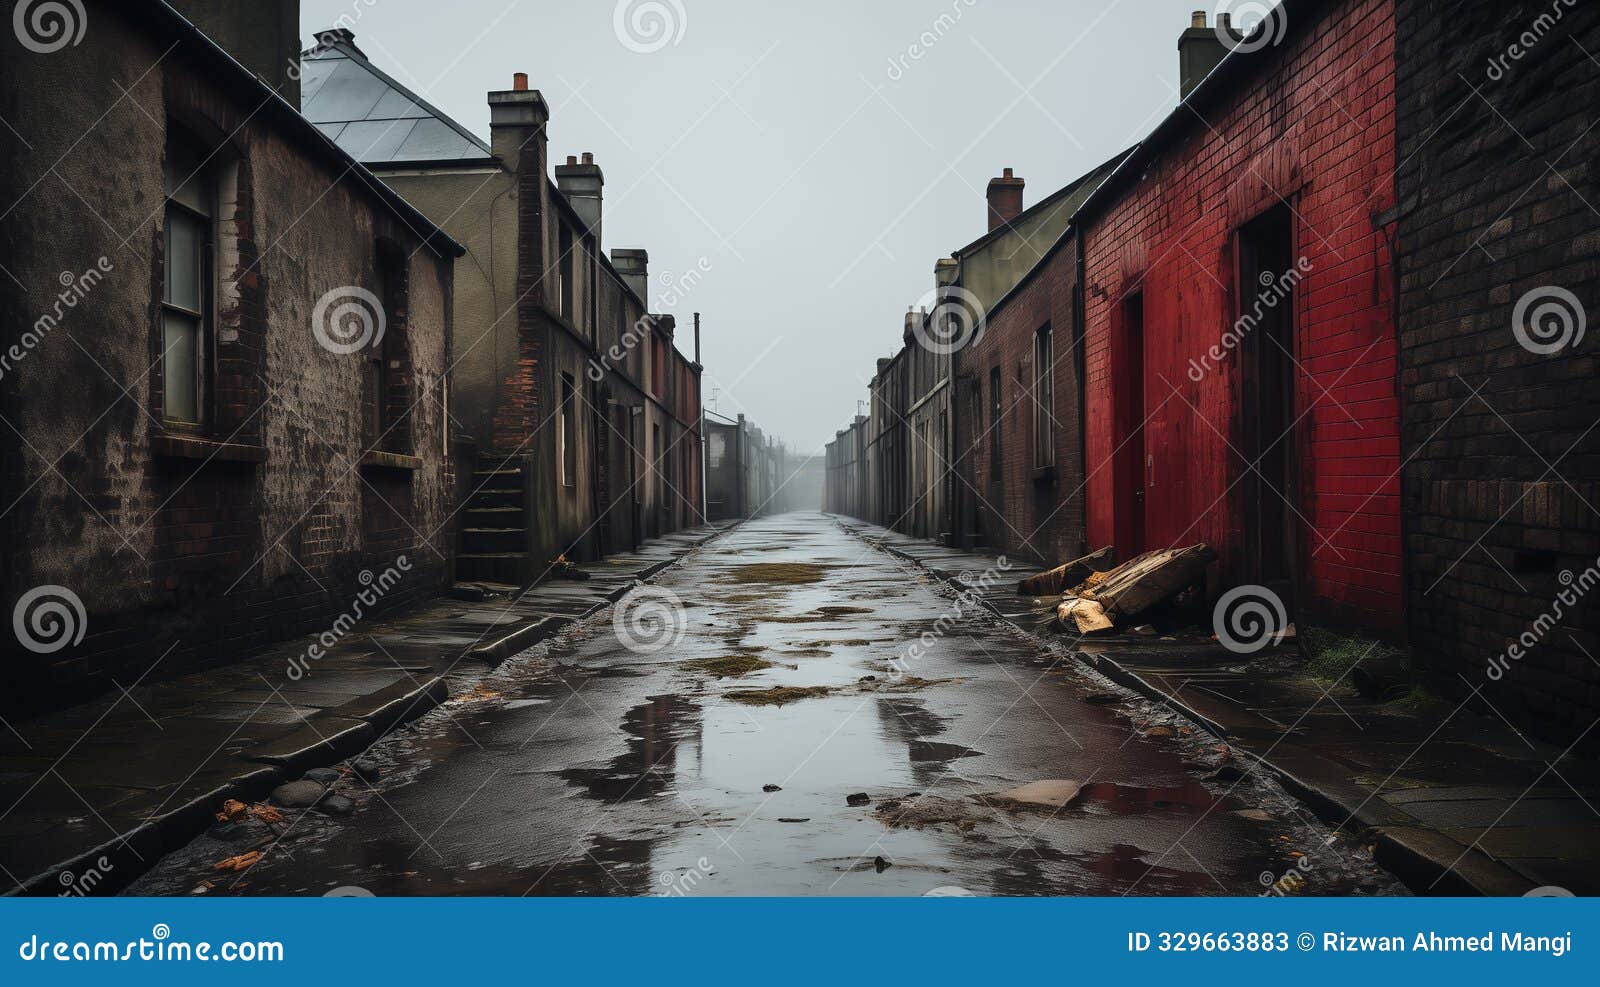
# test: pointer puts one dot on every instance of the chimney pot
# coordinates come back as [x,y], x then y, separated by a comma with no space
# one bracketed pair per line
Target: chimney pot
[583,185]
[1201,49]
[1005,199]
[519,82]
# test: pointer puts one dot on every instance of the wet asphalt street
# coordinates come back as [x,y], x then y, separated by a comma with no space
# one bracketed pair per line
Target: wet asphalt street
[587,766]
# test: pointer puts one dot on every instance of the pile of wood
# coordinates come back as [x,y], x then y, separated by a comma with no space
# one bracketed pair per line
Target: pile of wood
[1053,582]
[1102,600]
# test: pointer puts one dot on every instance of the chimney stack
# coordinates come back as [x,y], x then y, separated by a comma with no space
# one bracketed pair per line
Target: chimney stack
[582,183]
[1201,49]
[1005,199]
[517,120]
[634,266]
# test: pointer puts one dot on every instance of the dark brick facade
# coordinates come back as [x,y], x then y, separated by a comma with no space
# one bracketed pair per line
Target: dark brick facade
[1032,506]
[191,544]
[1497,110]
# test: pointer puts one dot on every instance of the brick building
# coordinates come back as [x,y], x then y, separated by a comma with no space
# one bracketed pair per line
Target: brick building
[887,440]
[750,474]
[585,413]
[1239,323]
[1019,380]
[845,485]
[1500,269]
[226,356]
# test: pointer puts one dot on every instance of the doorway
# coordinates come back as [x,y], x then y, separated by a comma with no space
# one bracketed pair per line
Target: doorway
[1270,513]
[1128,460]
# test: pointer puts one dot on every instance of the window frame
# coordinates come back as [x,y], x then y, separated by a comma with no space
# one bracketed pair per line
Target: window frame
[567,433]
[995,378]
[203,319]
[1044,393]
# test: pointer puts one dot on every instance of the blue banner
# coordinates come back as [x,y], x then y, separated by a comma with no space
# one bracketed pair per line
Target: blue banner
[704,941]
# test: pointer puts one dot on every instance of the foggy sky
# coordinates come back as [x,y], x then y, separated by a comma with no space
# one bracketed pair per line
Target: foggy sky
[797,153]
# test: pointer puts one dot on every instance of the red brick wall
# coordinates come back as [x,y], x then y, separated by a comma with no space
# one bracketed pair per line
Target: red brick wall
[1315,121]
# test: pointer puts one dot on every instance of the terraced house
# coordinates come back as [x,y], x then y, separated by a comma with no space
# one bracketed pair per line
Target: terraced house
[228,356]
[584,414]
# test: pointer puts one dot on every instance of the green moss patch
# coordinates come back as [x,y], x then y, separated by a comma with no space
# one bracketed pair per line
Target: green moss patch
[778,695]
[780,573]
[728,667]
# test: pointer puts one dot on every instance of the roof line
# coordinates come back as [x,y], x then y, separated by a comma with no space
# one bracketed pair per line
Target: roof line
[434,236]
[352,52]
[1060,193]
[1236,64]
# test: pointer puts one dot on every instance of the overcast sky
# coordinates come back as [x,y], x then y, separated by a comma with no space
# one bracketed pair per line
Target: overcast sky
[797,152]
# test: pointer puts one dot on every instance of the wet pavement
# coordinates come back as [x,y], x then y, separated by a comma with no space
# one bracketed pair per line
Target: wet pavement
[595,764]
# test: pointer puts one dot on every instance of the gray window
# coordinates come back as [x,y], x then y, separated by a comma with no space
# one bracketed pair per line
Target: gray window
[1044,397]
[186,295]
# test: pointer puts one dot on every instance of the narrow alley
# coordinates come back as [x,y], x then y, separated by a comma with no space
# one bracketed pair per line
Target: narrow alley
[762,720]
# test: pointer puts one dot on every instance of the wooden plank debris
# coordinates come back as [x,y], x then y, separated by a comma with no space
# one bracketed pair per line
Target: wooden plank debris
[1053,582]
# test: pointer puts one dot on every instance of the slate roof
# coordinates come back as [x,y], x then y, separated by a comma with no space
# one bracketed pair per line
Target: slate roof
[373,118]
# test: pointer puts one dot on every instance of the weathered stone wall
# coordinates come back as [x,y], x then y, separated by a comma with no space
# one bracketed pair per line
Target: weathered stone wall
[195,546]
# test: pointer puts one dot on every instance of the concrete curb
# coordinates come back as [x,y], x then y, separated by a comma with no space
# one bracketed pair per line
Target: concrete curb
[521,639]
[128,856]
[498,651]
[1425,861]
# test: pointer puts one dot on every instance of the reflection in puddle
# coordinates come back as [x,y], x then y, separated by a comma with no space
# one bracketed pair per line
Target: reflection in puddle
[649,766]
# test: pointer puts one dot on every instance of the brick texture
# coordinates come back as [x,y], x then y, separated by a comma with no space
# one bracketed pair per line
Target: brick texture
[1312,124]
[1497,191]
